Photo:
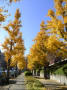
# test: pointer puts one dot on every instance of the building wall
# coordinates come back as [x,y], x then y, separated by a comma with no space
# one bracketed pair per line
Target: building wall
[3,64]
[59,78]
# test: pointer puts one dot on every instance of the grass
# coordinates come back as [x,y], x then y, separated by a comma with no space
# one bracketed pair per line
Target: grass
[33,84]
[61,71]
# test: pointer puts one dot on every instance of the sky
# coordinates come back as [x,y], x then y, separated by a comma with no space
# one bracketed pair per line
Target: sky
[32,13]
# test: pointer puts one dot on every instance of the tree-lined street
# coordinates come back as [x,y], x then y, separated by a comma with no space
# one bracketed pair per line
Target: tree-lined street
[33,53]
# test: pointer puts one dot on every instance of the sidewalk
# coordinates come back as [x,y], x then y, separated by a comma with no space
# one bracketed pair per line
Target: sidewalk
[52,84]
[17,84]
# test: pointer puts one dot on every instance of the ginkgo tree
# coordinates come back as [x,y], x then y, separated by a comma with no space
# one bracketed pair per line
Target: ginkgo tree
[57,27]
[61,10]
[2,16]
[14,45]
[38,52]
[50,41]
[18,58]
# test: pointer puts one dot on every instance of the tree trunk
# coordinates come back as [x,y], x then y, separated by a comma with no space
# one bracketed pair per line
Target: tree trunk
[66,27]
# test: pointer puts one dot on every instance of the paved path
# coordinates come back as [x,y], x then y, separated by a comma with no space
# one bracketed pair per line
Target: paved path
[17,84]
[20,83]
[52,85]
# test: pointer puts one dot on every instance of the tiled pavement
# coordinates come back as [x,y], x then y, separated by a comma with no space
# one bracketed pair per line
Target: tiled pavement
[52,85]
[19,84]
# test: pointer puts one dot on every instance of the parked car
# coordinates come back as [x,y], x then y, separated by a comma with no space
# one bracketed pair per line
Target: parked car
[0,72]
[13,73]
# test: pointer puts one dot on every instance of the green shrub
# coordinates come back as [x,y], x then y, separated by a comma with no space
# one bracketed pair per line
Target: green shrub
[61,70]
[42,71]
[38,84]
[37,70]
[33,84]
[28,73]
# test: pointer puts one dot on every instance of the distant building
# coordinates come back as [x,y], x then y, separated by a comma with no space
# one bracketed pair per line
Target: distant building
[55,60]
[3,64]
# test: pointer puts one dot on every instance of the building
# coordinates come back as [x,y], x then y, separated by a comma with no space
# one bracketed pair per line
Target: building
[3,64]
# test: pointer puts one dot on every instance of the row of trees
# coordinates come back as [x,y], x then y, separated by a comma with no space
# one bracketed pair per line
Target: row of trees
[13,45]
[51,41]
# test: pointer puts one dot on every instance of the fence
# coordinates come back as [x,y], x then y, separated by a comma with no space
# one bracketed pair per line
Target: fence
[60,78]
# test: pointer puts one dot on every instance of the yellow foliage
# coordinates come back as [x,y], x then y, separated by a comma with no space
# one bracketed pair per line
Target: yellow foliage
[1,10]
[38,54]
[51,41]
[65,19]
[17,14]
[14,44]
[51,13]
[42,24]
[61,9]
[13,0]
[2,18]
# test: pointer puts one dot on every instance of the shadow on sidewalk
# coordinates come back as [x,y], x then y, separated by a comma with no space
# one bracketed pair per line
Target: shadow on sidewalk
[61,89]
[12,81]
[4,82]
[51,84]
[55,88]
